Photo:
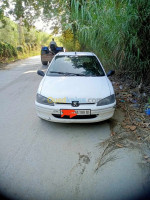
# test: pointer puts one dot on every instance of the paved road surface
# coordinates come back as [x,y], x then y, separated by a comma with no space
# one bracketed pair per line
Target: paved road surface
[40,160]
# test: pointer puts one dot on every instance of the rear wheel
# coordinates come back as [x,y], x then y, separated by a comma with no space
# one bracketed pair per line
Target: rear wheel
[45,62]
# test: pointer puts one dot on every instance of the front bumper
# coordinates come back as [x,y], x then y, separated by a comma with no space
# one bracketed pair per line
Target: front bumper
[52,113]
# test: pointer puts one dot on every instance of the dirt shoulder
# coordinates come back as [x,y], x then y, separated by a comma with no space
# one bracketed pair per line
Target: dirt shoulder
[131,111]
[130,125]
[3,65]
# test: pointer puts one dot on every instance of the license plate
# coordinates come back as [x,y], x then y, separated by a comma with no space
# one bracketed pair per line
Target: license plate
[79,112]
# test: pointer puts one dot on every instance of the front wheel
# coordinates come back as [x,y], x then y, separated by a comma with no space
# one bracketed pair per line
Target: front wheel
[45,62]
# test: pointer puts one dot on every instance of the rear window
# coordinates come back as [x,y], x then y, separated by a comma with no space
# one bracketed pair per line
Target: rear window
[75,65]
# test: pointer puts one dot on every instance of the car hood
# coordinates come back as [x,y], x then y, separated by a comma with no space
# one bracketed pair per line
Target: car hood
[74,88]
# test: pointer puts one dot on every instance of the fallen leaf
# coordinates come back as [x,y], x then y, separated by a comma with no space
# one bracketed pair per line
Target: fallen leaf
[127,121]
[123,124]
[119,145]
[127,127]
[113,133]
[132,128]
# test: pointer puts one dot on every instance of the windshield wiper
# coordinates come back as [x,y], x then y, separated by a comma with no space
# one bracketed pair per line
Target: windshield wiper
[57,72]
[74,74]
[67,73]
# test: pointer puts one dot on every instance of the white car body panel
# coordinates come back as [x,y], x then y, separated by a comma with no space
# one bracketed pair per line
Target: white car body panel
[75,87]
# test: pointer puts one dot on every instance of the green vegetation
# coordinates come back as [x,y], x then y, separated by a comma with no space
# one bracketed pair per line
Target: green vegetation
[69,41]
[7,50]
[19,42]
[117,31]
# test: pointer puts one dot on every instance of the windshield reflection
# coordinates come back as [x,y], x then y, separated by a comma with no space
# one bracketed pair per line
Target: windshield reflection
[75,65]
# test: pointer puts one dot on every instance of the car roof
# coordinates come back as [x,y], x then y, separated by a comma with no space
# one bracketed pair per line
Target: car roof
[75,54]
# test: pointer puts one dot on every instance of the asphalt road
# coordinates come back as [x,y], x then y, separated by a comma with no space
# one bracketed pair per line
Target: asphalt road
[40,160]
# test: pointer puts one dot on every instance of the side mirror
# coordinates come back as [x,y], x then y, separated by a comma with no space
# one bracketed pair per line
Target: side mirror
[41,73]
[110,73]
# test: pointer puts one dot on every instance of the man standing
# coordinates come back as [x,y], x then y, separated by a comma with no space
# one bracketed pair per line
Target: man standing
[53,45]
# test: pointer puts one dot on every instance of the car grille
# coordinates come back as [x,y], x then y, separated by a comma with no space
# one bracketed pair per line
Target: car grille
[76,117]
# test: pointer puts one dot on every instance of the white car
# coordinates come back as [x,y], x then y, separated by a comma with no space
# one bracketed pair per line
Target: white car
[75,89]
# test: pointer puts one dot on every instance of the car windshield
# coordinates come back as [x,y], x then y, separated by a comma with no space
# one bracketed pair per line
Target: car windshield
[75,66]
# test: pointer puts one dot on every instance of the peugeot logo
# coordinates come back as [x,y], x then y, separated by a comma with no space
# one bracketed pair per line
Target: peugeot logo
[75,103]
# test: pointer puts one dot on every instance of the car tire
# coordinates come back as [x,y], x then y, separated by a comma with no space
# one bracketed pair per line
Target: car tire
[45,62]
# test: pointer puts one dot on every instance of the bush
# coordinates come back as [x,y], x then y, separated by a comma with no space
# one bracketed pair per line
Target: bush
[7,51]
[29,46]
[35,46]
[32,46]
[12,50]
[20,49]
[25,48]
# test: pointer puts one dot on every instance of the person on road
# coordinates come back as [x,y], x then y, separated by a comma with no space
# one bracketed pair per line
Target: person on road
[53,45]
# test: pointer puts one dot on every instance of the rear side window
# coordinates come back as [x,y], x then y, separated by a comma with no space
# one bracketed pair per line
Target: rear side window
[82,65]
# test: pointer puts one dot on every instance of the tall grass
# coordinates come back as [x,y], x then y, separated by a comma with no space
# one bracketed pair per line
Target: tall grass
[117,31]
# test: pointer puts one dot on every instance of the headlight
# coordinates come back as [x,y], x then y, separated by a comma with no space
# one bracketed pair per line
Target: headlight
[44,100]
[107,100]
